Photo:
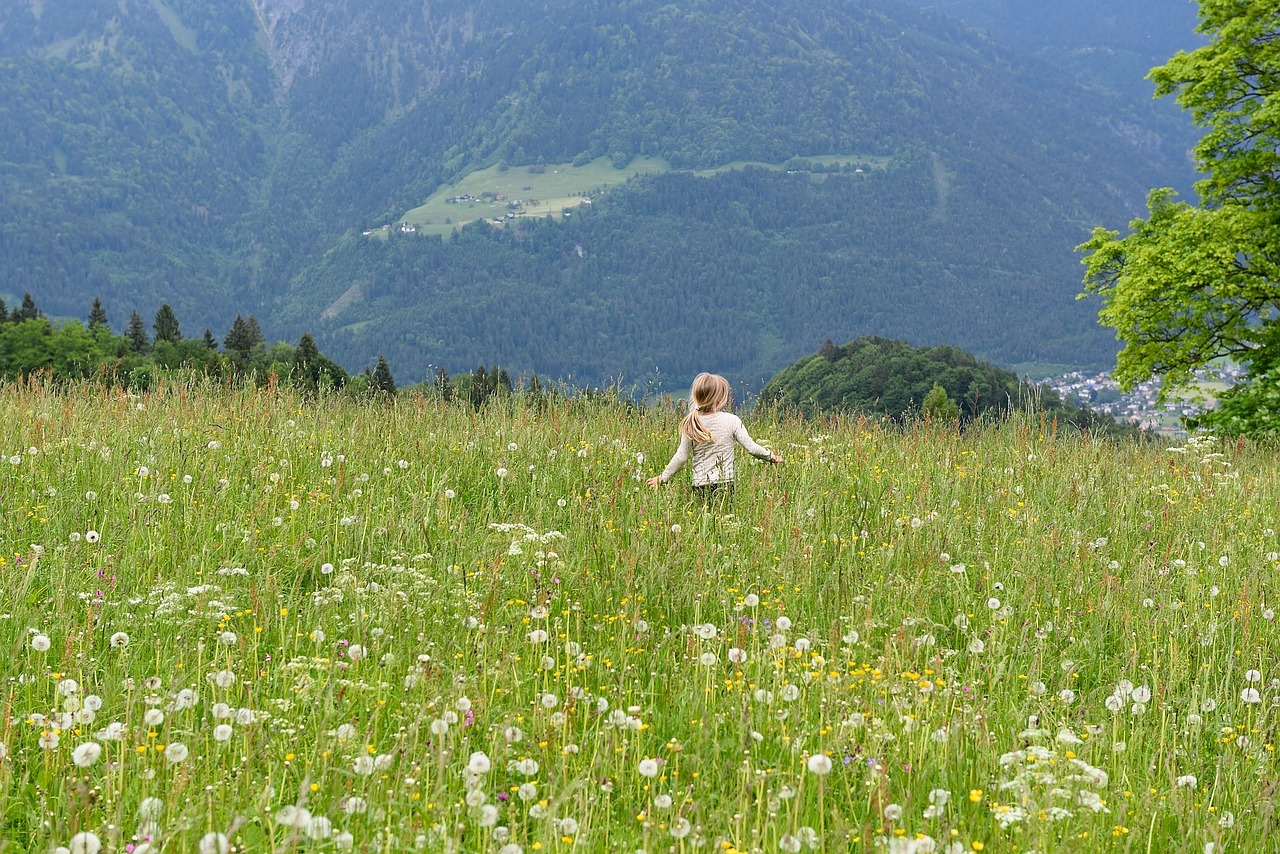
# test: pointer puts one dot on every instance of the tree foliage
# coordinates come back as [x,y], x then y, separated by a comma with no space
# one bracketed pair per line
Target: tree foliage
[381,382]
[891,378]
[71,351]
[136,332]
[166,325]
[1194,283]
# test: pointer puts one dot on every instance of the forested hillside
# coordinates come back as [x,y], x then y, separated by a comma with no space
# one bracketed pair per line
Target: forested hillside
[231,155]
[890,378]
[130,145]
[676,272]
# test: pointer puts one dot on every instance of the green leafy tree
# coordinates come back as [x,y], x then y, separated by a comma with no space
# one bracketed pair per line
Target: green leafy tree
[939,406]
[166,325]
[1194,283]
[74,351]
[25,347]
[97,314]
[136,333]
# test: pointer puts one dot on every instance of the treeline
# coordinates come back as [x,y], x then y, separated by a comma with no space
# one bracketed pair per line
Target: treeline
[30,343]
[143,354]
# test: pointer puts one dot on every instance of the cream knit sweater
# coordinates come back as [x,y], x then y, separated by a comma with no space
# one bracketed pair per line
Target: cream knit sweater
[713,461]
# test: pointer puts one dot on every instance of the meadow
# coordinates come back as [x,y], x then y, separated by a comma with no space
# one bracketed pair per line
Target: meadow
[555,189]
[242,620]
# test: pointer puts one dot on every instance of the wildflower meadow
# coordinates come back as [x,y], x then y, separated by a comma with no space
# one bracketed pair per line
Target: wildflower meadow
[242,620]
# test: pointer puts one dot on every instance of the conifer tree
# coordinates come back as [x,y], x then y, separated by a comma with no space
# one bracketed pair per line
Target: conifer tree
[210,341]
[479,391]
[97,314]
[27,311]
[239,339]
[306,367]
[307,352]
[136,333]
[4,312]
[166,325]
[255,333]
[382,383]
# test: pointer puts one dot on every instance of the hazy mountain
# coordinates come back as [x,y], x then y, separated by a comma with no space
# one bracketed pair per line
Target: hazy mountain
[227,157]
[1106,45]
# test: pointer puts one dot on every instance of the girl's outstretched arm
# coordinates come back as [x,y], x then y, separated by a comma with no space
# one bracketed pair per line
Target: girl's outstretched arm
[678,460]
[752,447]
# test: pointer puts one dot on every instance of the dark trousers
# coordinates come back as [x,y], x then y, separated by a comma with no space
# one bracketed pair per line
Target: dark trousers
[717,493]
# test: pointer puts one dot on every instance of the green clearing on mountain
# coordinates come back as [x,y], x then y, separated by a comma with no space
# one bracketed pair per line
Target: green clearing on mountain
[500,193]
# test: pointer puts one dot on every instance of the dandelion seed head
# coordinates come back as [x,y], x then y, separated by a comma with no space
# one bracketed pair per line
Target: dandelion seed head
[820,764]
[86,754]
[214,843]
[85,842]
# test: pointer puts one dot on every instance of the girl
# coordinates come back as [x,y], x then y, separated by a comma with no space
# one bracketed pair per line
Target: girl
[709,433]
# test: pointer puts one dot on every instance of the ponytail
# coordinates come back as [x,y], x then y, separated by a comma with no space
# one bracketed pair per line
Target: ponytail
[710,393]
[693,429]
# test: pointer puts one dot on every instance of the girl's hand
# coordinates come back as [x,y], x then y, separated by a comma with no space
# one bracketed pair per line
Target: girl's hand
[654,481]
[774,458]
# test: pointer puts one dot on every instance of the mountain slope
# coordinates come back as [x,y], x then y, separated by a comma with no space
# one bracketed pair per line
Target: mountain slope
[229,156]
[133,132]
[999,167]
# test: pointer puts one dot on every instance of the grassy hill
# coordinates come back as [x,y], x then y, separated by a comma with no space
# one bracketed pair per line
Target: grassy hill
[271,623]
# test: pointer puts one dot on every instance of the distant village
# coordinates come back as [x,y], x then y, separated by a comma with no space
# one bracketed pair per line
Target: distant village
[1139,406]
[512,208]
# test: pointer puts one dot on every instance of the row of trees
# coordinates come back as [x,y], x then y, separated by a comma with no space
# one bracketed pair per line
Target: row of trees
[31,344]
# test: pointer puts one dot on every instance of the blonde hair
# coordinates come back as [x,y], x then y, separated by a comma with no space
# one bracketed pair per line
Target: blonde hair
[709,393]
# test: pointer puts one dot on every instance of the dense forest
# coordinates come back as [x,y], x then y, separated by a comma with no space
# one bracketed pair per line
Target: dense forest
[226,157]
[142,353]
[675,274]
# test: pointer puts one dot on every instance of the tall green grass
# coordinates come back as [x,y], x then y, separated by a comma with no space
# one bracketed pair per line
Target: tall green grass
[295,625]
